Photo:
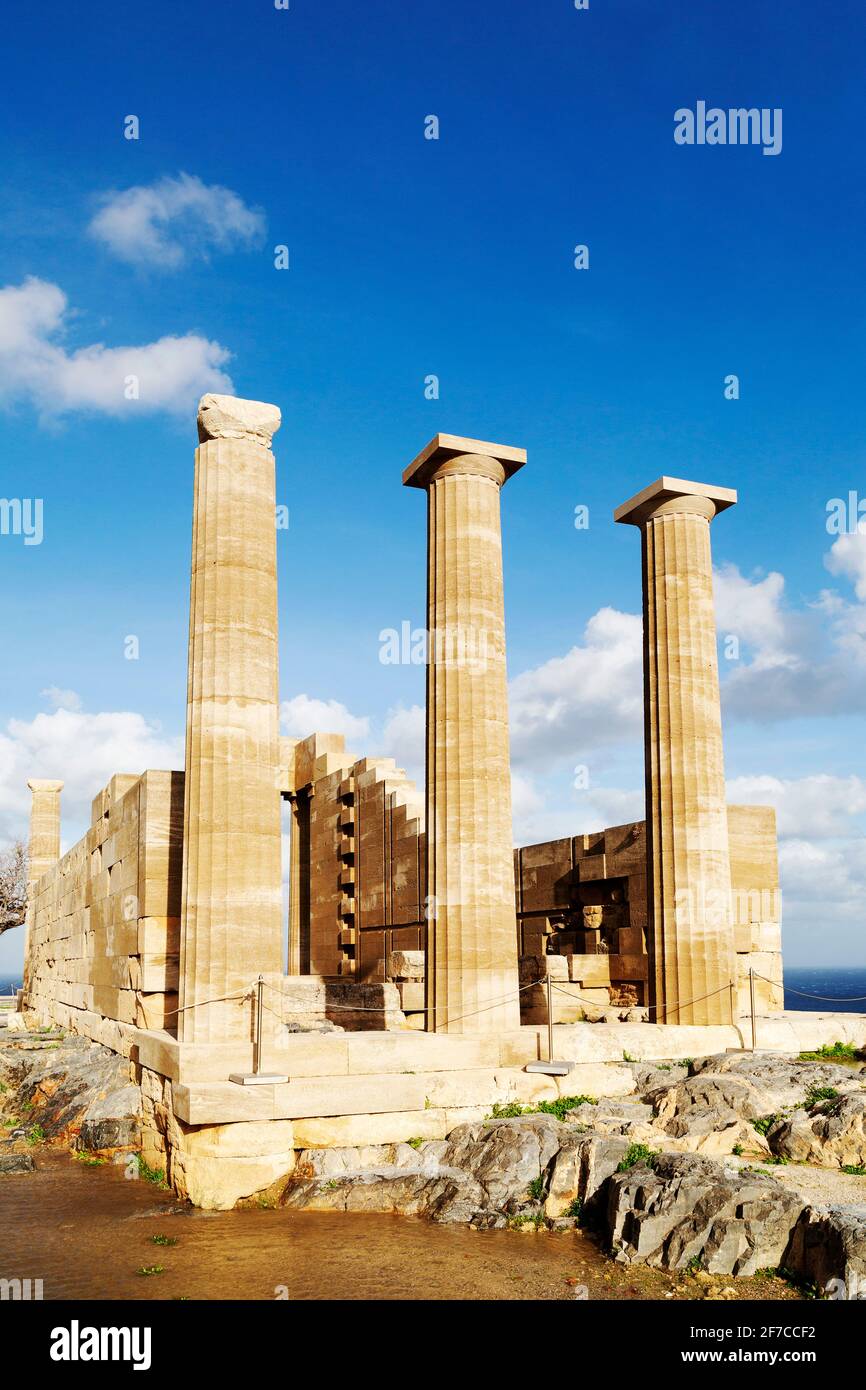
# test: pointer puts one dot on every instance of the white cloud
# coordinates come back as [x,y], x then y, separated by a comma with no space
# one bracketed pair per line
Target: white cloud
[171,373]
[403,739]
[303,715]
[847,557]
[62,699]
[752,611]
[84,751]
[813,808]
[797,663]
[567,708]
[174,220]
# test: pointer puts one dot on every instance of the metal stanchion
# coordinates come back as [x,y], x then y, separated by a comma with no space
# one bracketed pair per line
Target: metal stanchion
[257,1077]
[551,1067]
[752,999]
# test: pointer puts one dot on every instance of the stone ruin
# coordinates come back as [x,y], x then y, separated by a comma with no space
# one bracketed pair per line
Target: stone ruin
[409,911]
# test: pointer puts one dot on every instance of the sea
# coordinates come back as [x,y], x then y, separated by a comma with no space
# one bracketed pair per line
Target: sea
[840,990]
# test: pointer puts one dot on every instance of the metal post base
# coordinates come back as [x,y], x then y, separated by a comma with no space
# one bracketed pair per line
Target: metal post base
[551,1068]
[260,1078]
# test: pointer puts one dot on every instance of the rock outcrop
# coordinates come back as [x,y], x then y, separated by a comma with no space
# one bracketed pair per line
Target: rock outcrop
[69,1090]
[832,1134]
[687,1208]
[829,1250]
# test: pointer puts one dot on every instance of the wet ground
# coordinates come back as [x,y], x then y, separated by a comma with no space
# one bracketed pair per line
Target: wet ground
[88,1233]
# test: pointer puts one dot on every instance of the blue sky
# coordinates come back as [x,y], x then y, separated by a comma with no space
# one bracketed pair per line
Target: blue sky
[453,257]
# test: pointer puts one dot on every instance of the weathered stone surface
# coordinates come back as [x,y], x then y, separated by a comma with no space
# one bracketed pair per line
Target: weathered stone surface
[582,1166]
[829,1249]
[687,1207]
[832,1134]
[781,1082]
[231,417]
[58,1084]
[710,1113]
[479,1175]
[16,1163]
[406,965]
[112,1120]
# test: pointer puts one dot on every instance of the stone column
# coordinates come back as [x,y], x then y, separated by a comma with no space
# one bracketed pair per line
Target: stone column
[44,847]
[691,932]
[231,906]
[471,969]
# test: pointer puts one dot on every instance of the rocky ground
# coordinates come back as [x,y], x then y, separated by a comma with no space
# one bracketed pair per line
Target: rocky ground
[691,1174]
[734,1165]
[63,1090]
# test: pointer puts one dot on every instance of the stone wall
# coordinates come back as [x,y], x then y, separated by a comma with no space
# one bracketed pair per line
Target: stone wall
[361,846]
[106,917]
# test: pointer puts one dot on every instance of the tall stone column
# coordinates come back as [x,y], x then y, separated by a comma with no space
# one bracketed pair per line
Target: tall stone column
[231,906]
[44,847]
[472,978]
[691,928]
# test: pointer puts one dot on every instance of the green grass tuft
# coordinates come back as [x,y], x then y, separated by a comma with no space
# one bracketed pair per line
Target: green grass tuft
[637,1153]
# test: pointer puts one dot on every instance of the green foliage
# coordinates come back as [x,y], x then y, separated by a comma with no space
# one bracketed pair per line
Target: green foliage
[415,1143]
[576,1209]
[765,1123]
[637,1153]
[627,1057]
[832,1052]
[694,1264]
[536,1188]
[154,1175]
[737,1150]
[163,1240]
[857,1170]
[559,1108]
[777,1160]
[686,1061]
[147,1270]
[527,1218]
[36,1135]
[816,1094]
[89,1160]
[3,1088]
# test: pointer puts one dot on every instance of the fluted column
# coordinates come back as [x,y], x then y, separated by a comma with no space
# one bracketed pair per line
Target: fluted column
[688,867]
[43,849]
[471,972]
[231,907]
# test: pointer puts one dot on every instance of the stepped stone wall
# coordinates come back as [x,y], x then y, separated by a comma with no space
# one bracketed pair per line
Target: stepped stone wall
[361,848]
[105,919]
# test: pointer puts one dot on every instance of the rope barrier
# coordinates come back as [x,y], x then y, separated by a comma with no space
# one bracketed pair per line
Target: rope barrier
[825,998]
[649,1007]
[436,1008]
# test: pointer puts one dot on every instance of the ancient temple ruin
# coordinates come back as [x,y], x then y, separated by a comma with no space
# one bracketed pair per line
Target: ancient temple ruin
[420,940]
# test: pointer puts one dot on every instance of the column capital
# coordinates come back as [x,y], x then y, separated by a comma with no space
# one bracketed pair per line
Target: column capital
[452,453]
[231,417]
[41,784]
[667,495]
